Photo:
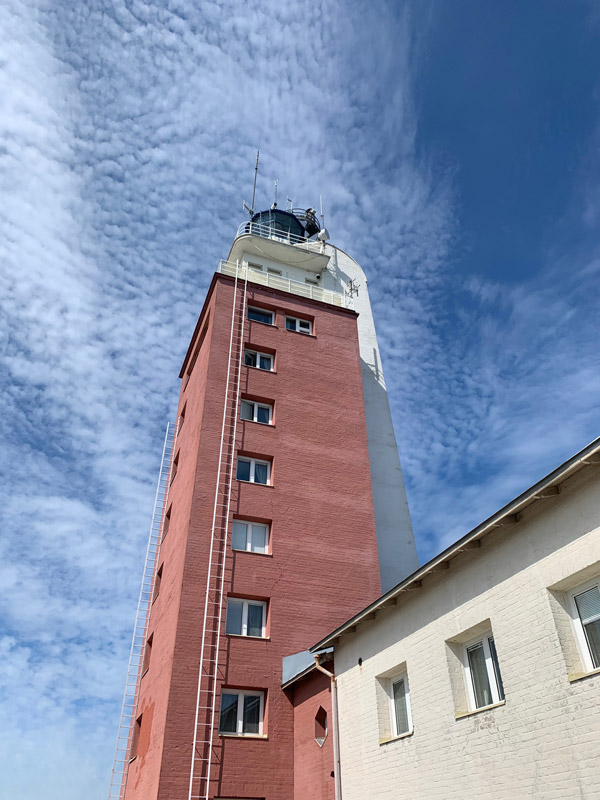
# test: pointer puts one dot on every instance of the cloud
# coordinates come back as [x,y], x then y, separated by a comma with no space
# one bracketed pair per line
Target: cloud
[130,135]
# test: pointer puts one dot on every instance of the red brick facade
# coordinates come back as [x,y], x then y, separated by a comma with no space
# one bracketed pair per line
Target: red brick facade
[322,566]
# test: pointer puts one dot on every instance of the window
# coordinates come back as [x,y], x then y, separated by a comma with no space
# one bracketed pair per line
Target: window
[166,522]
[585,614]
[256,412]
[241,712]
[482,673]
[320,726]
[157,583]
[311,281]
[255,267]
[260,315]
[182,418]
[174,467]
[250,536]
[253,471]
[147,654]
[298,325]
[135,739]
[273,271]
[252,358]
[400,705]
[246,617]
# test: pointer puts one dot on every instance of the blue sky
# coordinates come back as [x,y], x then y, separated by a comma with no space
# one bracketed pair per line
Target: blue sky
[456,148]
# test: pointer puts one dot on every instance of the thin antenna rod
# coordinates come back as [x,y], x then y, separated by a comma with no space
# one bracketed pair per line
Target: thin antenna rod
[275,203]
[254,187]
[322,217]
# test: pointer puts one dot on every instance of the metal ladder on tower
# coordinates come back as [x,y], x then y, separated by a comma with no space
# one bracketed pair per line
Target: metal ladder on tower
[203,750]
[118,780]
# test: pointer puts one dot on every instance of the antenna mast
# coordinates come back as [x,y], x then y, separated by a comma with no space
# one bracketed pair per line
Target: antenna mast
[251,210]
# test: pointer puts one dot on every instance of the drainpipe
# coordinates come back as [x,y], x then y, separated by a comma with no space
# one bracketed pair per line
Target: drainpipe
[337,777]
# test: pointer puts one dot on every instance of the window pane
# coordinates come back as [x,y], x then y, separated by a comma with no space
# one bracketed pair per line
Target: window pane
[251,714]
[290,324]
[304,326]
[250,359]
[265,362]
[228,720]
[247,410]
[400,710]
[243,470]
[479,677]
[592,634]
[238,537]
[259,538]
[496,668]
[258,315]
[260,473]
[588,604]
[263,414]
[234,617]
[255,620]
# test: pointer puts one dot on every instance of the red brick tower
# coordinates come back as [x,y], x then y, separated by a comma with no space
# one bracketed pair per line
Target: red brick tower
[267,539]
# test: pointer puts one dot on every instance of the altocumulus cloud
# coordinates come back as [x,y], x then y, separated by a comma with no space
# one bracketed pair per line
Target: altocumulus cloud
[129,139]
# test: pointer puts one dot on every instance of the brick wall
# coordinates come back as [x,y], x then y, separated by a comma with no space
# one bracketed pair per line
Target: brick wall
[544,742]
[323,561]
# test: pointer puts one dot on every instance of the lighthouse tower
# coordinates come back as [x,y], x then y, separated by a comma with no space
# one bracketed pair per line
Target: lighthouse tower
[282,512]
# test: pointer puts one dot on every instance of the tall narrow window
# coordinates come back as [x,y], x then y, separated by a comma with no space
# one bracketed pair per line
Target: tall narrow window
[166,522]
[250,536]
[147,654]
[586,620]
[484,683]
[400,705]
[157,582]
[174,467]
[135,739]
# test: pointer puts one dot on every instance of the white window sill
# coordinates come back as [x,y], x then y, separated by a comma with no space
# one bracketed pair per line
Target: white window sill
[397,738]
[479,710]
[254,483]
[244,636]
[244,736]
[259,369]
[252,552]
[579,676]
[307,335]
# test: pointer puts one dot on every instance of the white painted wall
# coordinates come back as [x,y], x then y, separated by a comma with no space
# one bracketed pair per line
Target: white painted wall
[544,742]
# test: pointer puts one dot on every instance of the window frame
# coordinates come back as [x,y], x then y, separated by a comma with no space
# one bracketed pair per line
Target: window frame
[578,626]
[297,321]
[262,311]
[253,462]
[256,405]
[241,693]
[245,603]
[492,668]
[391,682]
[249,538]
[259,355]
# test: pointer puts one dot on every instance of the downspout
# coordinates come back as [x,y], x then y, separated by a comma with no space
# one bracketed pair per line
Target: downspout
[337,777]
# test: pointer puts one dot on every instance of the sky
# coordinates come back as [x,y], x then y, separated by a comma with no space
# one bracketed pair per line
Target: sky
[456,147]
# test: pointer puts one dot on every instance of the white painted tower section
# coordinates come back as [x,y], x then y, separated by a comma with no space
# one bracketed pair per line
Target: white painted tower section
[302,263]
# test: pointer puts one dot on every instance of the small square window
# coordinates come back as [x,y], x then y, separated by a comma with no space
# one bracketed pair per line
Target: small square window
[252,358]
[242,712]
[253,471]
[253,537]
[246,617]
[482,673]
[255,267]
[273,271]
[585,615]
[256,412]
[260,315]
[298,325]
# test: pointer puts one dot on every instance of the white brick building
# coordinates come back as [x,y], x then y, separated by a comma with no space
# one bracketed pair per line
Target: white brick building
[478,676]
